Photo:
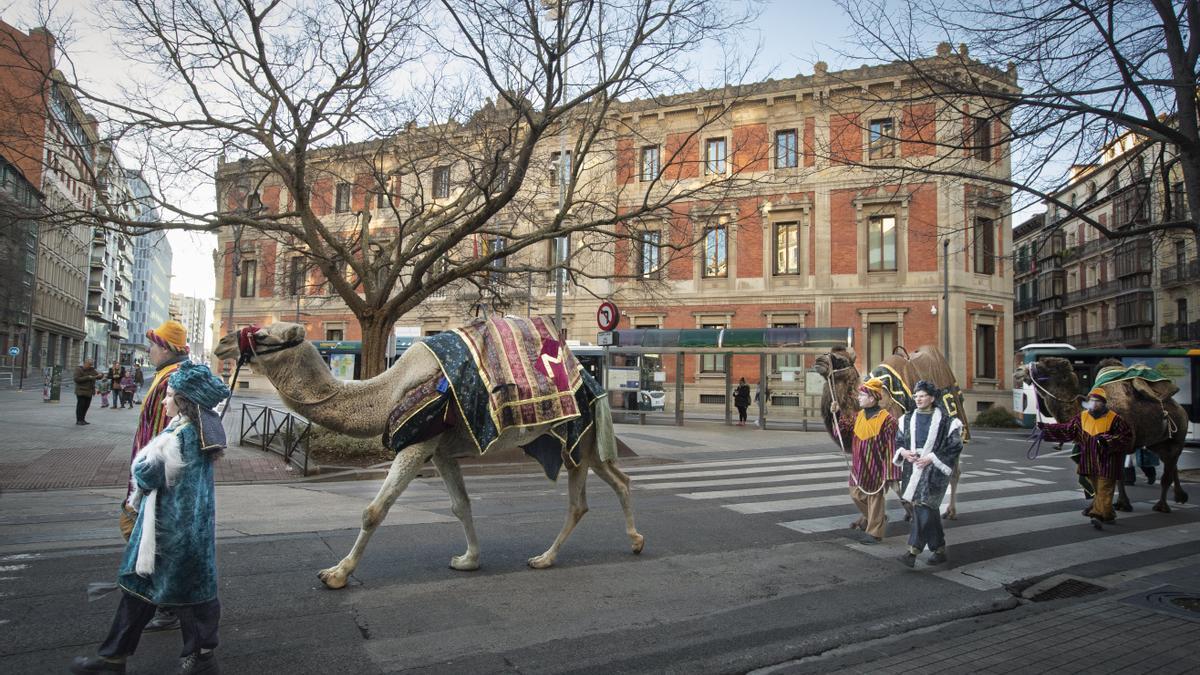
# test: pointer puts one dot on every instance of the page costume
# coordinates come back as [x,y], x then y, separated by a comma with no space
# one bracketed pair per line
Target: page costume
[936,435]
[872,435]
[1103,443]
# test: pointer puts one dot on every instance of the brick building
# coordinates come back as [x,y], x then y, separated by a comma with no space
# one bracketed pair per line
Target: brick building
[1073,285]
[817,234]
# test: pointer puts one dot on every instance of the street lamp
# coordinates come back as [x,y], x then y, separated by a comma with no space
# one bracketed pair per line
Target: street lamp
[558,10]
[946,299]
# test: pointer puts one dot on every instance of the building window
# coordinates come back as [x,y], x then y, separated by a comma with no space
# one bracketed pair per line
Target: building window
[560,171]
[716,252]
[786,149]
[249,278]
[296,274]
[881,244]
[1179,205]
[496,245]
[384,198]
[1180,255]
[341,203]
[787,248]
[1131,205]
[712,363]
[335,334]
[984,246]
[981,138]
[985,352]
[1181,311]
[714,156]
[882,139]
[881,340]
[781,362]
[649,248]
[650,165]
[441,182]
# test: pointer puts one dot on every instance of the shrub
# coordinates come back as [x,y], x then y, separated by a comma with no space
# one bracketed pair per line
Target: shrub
[996,416]
[331,448]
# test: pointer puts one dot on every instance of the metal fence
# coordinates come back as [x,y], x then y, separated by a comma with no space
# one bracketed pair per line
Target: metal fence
[278,431]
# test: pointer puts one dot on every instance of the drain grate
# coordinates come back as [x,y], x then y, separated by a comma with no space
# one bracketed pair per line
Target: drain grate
[1070,588]
[1173,600]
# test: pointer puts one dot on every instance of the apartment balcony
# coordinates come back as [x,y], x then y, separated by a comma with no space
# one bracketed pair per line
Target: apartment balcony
[1089,249]
[1178,275]
[1026,305]
[1136,336]
[1092,293]
[1176,332]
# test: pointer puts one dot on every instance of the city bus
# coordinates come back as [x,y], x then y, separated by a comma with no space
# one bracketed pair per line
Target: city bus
[1181,365]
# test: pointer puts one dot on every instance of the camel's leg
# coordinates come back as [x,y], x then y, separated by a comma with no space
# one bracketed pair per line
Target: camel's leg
[577,490]
[1122,503]
[619,481]
[460,504]
[404,468]
[952,510]
[1170,460]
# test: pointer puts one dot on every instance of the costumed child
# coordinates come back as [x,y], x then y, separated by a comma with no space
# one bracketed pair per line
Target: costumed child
[1103,440]
[127,389]
[872,436]
[928,444]
[103,386]
[170,560]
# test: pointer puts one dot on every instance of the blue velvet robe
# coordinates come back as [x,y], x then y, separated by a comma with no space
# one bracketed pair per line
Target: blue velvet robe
[185,562]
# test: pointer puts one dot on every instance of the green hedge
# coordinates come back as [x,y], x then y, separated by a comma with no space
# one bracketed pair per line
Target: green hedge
[996,416]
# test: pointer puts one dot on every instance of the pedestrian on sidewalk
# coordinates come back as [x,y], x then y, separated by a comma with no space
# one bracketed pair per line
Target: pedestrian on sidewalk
[139,378]
[928,444]
[741,400]
[127,389]
[115,372]
[171,557]
[872,437]
[86,376]
[168,350]
[103,388]
[1103,439]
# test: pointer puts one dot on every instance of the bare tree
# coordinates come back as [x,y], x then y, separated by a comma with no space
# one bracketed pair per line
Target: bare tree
[402,147]
[1095,76]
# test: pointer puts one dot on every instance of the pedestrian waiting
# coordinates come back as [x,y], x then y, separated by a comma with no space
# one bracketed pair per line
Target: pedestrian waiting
[741,400]
[86,376]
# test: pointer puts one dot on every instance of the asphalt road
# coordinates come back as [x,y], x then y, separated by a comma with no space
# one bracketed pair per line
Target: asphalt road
[747,564]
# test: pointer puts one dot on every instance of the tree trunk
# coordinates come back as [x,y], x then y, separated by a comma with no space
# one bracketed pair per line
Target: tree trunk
[375,336]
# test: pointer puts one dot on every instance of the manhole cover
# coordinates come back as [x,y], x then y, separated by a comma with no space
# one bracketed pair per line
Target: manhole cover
[1173,600]
[1071,588]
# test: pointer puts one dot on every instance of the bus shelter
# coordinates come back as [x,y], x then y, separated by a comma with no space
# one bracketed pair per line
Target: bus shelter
[640,362]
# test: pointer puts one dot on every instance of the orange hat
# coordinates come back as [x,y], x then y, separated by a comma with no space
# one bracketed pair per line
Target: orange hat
[874,387]
[1098,393]
[170,335]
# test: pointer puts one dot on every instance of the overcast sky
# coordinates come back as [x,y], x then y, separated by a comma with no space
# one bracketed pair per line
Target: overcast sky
[793,35]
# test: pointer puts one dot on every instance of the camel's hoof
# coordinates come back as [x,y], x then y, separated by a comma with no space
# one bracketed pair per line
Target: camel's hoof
[541,562]
[1123,506]
[465,563]
[332,579]
[1181,497]
[1162,507]
[639,542]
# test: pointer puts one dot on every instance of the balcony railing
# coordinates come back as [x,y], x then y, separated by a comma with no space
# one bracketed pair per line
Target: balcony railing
[1179,332]
[1113,337]
[1093,292]
[1180,274]
[1027,304]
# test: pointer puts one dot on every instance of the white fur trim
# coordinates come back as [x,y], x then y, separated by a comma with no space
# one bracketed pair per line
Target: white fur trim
[924,450]
[164,449]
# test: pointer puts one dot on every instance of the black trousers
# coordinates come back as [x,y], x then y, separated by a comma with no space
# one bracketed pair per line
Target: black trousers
[198,623]
[926,530]
[82,403]
[742,412]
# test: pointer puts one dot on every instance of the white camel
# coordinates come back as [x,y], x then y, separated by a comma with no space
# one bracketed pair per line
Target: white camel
[361,408]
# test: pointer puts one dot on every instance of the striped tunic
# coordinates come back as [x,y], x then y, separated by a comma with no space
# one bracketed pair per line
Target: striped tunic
[1087,432]
[871,444]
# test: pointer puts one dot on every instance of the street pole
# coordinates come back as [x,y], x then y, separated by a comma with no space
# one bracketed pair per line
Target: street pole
[236,261]
[37,263]
[946,299]
[560,257]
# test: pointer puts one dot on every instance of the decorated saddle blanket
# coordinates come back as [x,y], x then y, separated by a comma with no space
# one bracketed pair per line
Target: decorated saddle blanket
[1145,380]
[900,392]
[500,374]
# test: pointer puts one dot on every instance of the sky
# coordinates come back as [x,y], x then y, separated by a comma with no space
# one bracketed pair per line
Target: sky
[791,34]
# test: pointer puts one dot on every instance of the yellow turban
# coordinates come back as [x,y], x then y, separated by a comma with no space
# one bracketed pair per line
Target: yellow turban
[874,387]
[170,335]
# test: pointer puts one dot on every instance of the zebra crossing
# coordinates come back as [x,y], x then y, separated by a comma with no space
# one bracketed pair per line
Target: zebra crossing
[1017,520]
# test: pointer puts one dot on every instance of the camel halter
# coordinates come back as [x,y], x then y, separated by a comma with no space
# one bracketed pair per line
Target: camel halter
[248,349]
[1035,446]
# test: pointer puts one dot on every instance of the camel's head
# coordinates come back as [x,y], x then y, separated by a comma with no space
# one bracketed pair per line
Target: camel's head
[838,359]
[1056,384]
[258,342]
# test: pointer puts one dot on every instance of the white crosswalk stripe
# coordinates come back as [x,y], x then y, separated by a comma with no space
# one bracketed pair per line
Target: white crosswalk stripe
[1001,488]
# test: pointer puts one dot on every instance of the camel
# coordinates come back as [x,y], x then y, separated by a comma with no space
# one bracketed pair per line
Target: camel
[1160,427]
[842,379]
[362,408]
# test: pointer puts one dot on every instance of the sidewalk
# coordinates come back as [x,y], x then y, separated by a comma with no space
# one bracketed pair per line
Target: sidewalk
[43,448]
[1145,625]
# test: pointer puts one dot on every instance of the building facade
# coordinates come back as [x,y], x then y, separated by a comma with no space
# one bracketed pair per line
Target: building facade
[816,234]
[152,258]
[1075,286]
[48,137]
[20,206]
[193,314]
